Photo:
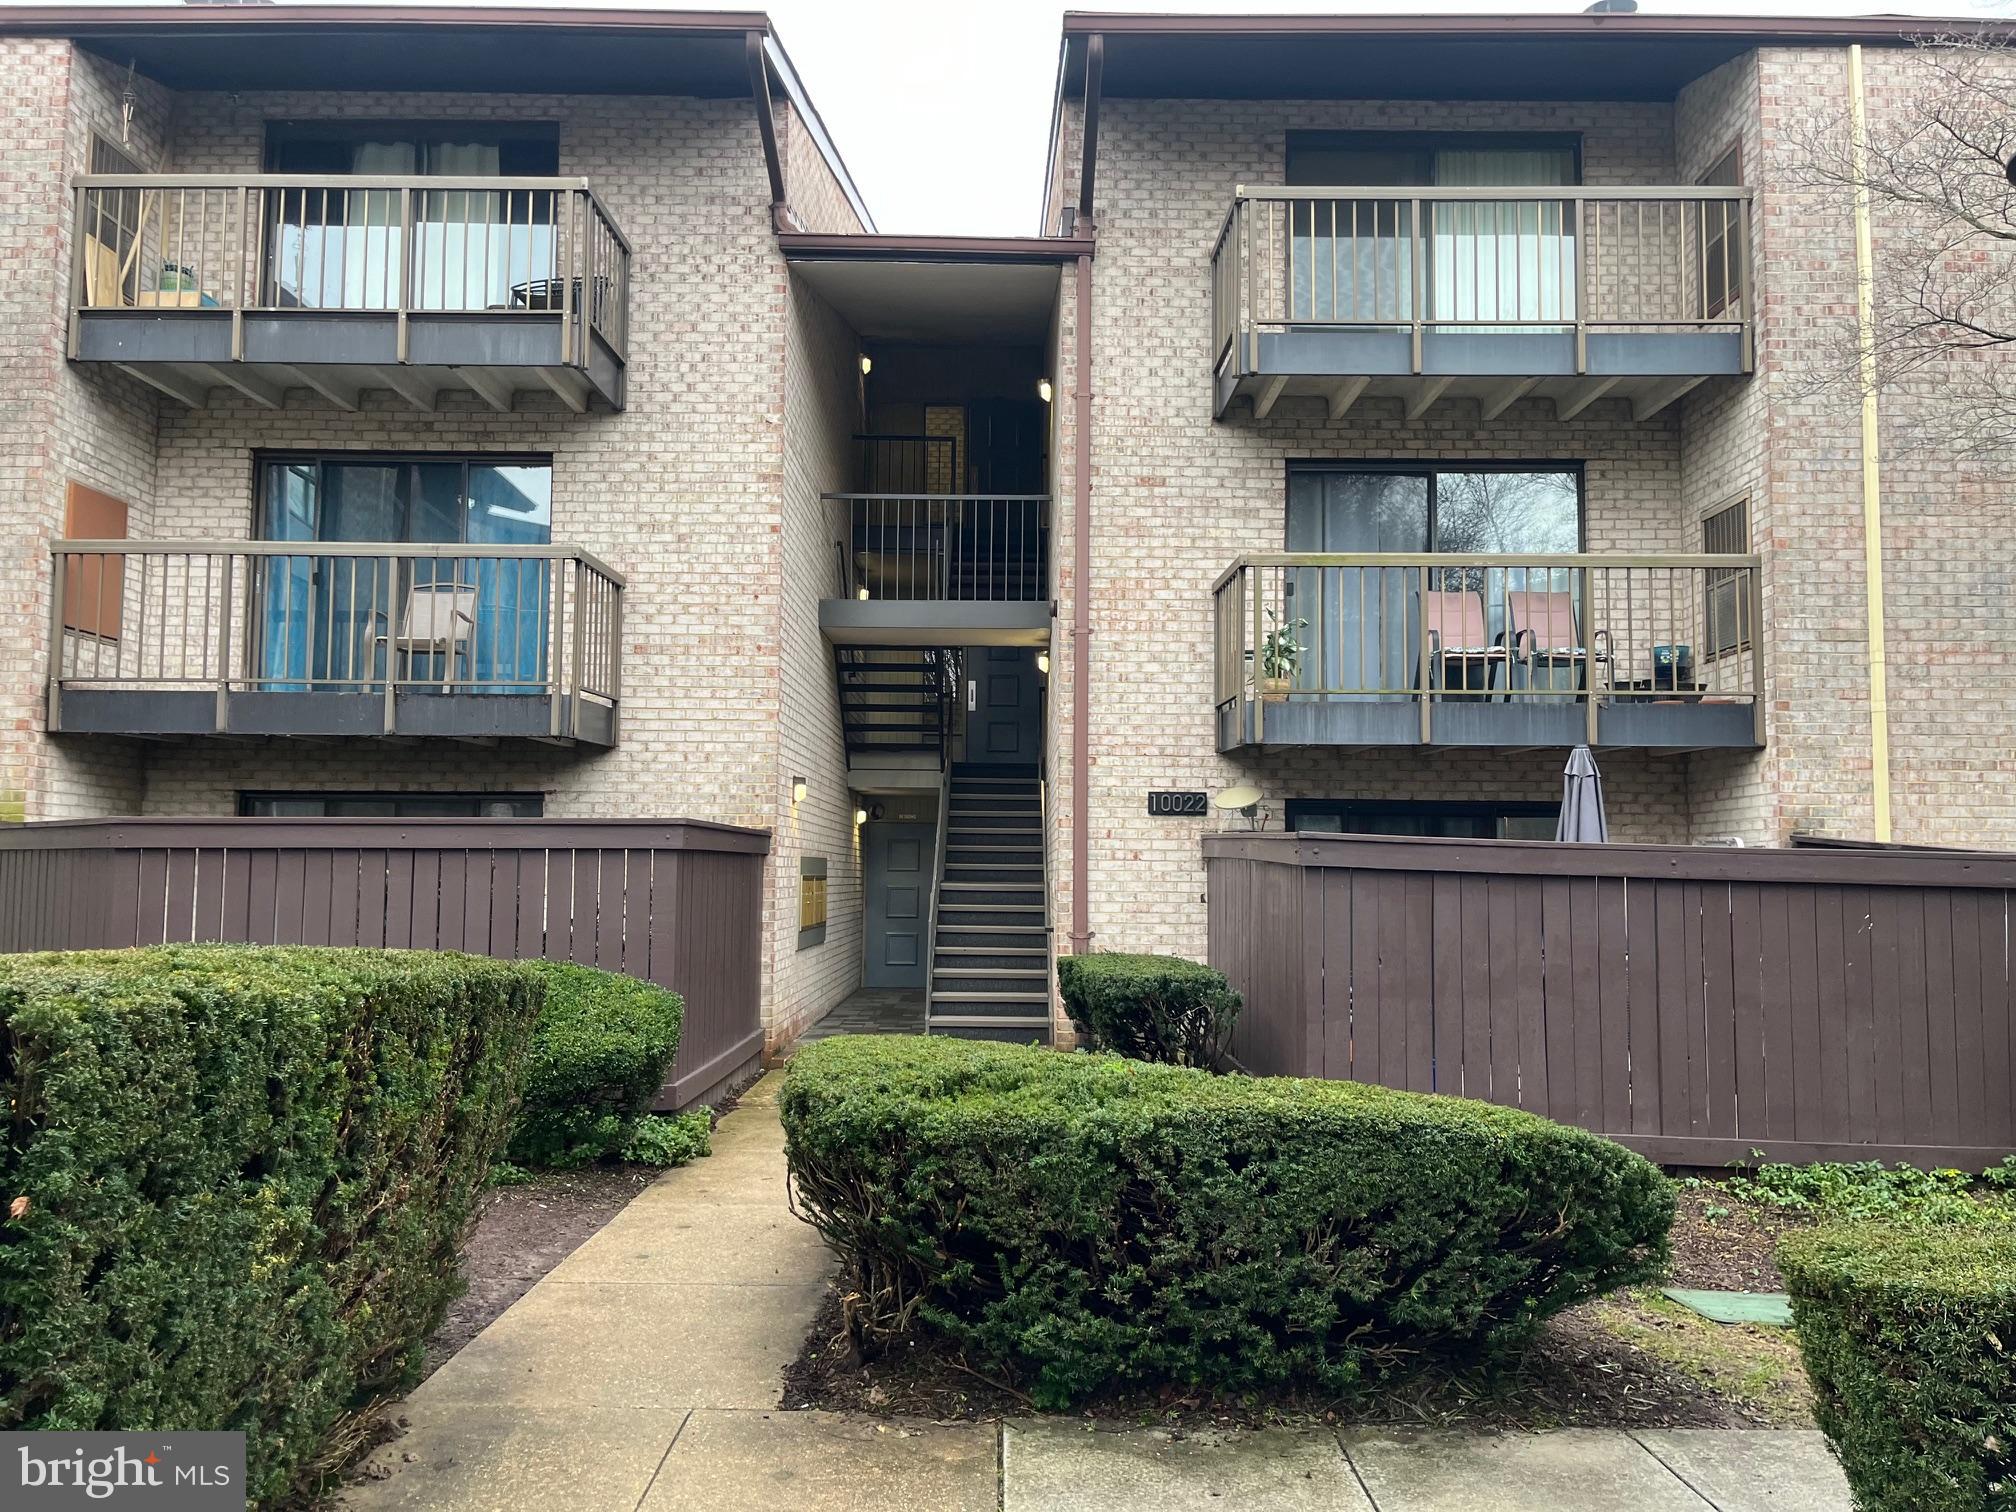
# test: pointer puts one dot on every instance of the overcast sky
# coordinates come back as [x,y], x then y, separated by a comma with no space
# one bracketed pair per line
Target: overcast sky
[941,107]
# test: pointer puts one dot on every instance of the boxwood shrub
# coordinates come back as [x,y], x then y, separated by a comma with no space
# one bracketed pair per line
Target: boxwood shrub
[1149,1007]
[598,1057]
[1084,1222]
[1909,1336]
[235,1182]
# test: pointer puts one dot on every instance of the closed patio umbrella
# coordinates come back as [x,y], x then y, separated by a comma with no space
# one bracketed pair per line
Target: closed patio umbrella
[1582,816]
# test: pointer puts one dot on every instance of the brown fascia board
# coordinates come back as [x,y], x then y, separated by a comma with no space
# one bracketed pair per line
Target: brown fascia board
[1735,28]
[813,246]
[80,20]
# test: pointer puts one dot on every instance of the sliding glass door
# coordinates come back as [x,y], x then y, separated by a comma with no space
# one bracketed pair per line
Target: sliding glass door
[466,248]
[470,623]
[1490,263]
[1363,625]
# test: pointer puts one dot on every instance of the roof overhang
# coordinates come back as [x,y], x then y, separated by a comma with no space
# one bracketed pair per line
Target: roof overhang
[938,290]
[1578,56]
[438,49]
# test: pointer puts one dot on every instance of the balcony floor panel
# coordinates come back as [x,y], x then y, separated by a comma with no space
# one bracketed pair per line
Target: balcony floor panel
[465,716]
[1644,393]
[1364,722]
[187,355]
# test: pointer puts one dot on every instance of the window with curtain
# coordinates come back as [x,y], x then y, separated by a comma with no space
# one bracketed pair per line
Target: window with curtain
[1456,821]
[1363,622]
[470,248]
[1488,263]
[332,622]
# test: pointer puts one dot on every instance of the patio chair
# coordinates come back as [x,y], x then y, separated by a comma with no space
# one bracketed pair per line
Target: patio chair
[1462,656]
[1547,640]
[439,620]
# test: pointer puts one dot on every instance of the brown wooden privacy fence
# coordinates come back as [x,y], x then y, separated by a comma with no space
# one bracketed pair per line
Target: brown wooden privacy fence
[1696,1004]
[677,902]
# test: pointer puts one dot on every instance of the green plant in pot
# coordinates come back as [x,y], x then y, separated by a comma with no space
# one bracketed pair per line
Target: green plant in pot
[1280,656]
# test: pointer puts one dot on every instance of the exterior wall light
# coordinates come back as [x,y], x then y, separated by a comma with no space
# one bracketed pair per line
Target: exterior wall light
[861,592]
[1043,662]
[860,816]
[1043,389]
[797,789]
[867,364]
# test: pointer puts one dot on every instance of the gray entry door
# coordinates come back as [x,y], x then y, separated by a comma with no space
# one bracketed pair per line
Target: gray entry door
[1004,722]
[897,866]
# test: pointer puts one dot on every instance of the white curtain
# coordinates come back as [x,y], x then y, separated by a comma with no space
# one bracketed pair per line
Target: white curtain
[1503,260]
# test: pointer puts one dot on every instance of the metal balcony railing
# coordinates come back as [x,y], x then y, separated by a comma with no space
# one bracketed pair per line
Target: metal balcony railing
[252,244]
[317,617]
[908,547]
[1447,260]
[1587,631]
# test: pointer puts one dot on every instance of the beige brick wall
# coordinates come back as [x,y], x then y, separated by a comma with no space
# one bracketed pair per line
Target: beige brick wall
[810,183]
[57,423]
[684,493]
[822,409]
[1178,496]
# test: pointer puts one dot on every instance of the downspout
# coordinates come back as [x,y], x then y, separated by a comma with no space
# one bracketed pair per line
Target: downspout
[781,218]
[1081,525]
[1081,616]
[1872,456]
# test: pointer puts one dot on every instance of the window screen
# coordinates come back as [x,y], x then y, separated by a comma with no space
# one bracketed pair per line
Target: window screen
[1727,533]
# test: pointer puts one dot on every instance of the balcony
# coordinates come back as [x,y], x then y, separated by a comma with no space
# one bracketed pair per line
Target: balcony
[334,639]
[1574,295]
[258,284]
[939,570]
[1655,653]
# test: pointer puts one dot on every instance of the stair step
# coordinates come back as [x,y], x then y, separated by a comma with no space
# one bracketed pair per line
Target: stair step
[986,1021]
[985,937]
[1014,985]
[958,916]
[989,997]
[979,958]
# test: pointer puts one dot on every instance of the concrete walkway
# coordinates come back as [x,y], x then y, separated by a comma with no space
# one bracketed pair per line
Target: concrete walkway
[643,1374]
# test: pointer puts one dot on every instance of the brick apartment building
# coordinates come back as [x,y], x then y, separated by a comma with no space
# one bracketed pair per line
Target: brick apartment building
[514,414]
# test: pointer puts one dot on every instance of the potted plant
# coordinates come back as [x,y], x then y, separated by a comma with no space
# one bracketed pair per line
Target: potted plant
[1280,655]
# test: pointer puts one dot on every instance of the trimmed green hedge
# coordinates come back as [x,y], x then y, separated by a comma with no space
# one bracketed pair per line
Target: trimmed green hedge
[598,1057]
[1909,1335]
[243,1177]
[1149,1007]
[1084,1222]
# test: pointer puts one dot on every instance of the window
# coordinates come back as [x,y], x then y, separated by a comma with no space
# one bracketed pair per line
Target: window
[1721,255]
[112,235]
[1727,533]
[1457,821]
[391,805]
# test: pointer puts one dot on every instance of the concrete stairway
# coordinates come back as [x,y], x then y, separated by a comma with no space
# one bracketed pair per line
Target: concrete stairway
[990,960]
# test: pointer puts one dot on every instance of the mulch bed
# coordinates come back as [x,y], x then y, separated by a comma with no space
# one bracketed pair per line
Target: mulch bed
[520,1235]
[1632,1360]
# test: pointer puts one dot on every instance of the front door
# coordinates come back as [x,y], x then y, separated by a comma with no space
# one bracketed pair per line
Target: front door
[1004,706]
[897,866]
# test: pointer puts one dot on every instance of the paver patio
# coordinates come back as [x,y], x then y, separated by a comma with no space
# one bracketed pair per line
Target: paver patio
[643,1374]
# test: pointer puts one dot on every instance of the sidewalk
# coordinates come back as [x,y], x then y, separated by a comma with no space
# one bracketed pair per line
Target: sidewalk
[643,1373]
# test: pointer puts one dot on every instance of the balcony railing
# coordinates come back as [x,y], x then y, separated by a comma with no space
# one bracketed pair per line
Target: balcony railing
[1658,651]
[240,251]
[333,637]
[910,547]
[1422,267]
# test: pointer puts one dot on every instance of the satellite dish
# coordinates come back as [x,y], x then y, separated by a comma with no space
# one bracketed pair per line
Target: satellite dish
[1241,797]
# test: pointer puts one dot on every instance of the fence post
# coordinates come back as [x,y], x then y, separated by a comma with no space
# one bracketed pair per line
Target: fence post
[407,252]
[60,560]
[580,645]
[1417,292]
[222,717]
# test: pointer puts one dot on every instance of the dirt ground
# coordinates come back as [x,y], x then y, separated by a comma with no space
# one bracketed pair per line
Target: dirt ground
[1634,1359]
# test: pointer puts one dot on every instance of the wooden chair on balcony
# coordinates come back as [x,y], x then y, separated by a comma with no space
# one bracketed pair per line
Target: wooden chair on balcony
[1547,641]
[439,621]
[1463,659]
